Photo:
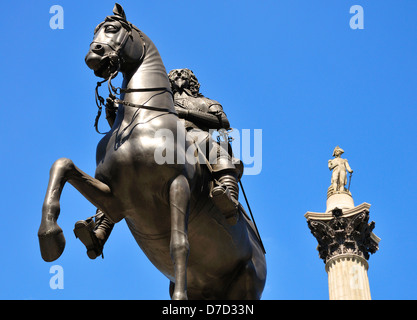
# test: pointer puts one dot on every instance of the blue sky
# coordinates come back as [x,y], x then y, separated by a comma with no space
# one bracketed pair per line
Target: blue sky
[293,68]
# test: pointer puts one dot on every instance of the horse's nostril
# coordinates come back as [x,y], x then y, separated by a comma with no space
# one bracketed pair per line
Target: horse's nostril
[98,48]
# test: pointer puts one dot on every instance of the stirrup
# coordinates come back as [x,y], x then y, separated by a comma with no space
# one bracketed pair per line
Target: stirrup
[84,230]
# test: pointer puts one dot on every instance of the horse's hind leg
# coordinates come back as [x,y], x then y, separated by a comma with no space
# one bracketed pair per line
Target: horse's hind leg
[51,238]
[179,197]
[246,285]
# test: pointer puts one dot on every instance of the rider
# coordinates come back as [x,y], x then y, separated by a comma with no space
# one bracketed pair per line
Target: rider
[199,115]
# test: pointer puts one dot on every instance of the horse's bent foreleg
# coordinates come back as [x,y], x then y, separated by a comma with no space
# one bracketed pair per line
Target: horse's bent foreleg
[179,198]
[51,238]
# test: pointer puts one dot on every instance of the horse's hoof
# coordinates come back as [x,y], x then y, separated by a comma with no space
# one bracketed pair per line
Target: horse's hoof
[51,243]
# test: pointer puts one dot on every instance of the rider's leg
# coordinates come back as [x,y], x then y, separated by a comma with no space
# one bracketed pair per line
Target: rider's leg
[228,180]
[225,191]
[104,227]
[94,234]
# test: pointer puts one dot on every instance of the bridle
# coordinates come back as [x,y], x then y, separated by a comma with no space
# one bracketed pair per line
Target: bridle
[115,60]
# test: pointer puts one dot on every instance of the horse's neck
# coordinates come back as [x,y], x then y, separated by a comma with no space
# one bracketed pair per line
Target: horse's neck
[150,74]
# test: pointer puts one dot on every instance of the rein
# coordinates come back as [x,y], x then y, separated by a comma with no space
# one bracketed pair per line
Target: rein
[112,100]
[115,61]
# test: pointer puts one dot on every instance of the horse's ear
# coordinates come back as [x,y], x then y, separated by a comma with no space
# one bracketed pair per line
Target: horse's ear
[118,11]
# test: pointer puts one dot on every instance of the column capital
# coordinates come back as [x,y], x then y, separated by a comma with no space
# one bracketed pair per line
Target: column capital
[341,232]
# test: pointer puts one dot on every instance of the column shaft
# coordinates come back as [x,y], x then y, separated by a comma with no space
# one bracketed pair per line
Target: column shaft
[348,278]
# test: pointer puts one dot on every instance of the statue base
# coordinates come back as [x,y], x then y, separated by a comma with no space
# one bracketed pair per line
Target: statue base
[339,199]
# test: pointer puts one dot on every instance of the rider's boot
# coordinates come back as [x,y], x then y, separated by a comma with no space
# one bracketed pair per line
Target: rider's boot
[225,196]
[94,234]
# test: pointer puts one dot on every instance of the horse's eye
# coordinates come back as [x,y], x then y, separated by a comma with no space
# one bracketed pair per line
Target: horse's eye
[111,28]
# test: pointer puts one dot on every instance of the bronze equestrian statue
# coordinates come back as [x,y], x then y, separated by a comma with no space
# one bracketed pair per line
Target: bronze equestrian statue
[168,207]
[199,115]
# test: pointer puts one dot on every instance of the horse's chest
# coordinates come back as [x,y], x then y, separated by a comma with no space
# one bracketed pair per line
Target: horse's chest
[123,152]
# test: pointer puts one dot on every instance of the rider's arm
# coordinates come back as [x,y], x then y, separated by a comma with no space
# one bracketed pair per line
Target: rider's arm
[331,165]
[215,118]
[348,168]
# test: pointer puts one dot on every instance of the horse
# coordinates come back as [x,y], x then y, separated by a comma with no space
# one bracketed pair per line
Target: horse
[166,206]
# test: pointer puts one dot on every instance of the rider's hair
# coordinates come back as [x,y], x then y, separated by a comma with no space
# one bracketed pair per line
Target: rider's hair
[194,84]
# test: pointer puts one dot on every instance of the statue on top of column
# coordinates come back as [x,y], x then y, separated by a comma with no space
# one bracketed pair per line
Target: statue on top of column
[339,167]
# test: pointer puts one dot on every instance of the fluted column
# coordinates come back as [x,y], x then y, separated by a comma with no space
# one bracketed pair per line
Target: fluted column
[345,242]
[348,278]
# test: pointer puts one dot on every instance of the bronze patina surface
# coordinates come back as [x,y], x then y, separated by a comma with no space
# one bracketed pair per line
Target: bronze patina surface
[167,207]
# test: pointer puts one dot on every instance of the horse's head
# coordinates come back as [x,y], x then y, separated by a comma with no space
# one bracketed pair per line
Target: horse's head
[117,45]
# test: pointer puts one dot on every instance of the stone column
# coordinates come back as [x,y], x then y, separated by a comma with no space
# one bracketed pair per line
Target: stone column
[348,278]
[345,241]
[345,238]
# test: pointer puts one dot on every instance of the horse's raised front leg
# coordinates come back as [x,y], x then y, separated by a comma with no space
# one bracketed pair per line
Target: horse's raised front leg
[51,237]
[179,198]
